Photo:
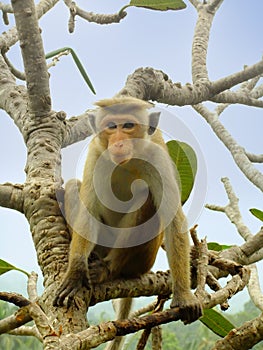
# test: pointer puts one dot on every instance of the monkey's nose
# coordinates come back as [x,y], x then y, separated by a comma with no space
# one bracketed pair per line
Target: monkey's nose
[118,144]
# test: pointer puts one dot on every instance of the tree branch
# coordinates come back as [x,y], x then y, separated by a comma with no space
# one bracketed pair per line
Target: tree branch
[11,196]
[231,97]
[77,129]
[255,158]
[27,331]
[244,337]
[90,16]
[10,37]
[254,289]
[32,47]
[238,152]
[234,79]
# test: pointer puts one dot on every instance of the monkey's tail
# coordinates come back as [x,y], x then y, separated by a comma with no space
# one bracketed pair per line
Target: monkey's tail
[122,309]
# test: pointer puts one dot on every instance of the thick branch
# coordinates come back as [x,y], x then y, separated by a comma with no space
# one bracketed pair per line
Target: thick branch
[11,196]
[200,44]
[33,57]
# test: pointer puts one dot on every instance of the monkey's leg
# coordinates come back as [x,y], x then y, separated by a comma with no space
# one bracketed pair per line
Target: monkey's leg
[122,309]
[178,254]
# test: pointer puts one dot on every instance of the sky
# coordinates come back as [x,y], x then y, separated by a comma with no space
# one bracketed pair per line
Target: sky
[161,40]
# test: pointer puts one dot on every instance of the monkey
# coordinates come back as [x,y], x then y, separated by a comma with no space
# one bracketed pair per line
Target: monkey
[128,204]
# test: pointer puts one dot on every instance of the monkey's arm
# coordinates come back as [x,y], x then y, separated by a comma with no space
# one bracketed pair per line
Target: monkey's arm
[178,253]
[76,275]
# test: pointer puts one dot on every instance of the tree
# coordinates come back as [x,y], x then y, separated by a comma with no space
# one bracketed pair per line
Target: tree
[45,132]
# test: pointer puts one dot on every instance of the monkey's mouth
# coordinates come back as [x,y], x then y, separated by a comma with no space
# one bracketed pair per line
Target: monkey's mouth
[120,159]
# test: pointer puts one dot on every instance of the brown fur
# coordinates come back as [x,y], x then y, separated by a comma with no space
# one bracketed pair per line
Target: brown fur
[128,261]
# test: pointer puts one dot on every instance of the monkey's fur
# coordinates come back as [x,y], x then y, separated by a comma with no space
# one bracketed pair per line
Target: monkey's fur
[128,133]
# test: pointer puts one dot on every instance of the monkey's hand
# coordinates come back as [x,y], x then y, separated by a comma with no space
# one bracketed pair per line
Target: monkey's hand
[75,278]
[190,306]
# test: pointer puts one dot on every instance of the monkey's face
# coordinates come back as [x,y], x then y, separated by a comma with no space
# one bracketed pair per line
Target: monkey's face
[120,133]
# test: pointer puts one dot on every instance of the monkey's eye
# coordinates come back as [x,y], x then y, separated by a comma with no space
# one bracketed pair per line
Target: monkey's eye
[128,125]
[111,125]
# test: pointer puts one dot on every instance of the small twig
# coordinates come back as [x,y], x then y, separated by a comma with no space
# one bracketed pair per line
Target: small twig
[90,16]
[56,58]
[255,158]
[13,70]
[144,310]
[232,210]
[6,8]
[215,286]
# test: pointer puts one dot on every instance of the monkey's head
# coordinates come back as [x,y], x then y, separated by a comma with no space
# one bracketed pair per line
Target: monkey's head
[119,123]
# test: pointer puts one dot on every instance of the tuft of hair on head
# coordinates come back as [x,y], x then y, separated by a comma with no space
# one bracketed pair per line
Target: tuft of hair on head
[123,104]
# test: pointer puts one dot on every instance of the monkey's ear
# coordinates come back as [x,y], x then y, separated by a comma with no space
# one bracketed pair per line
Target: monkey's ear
[153,122]
[92,122]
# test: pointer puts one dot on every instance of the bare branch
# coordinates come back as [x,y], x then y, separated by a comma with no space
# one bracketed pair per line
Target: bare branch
[19,318]
[27,331]
[32,48]
[230,97]
[32,287]
[77,129]
[244,337]
[95,335]
[202,271]
[12,196]
[145,309]
[6,8]
[238,153]
[255,158]
[14,298]
[10,37]
[254,289]
[13,70]
[234,79]
[214,5]
[156,338]
[253,244]
[90,16]
[195,3]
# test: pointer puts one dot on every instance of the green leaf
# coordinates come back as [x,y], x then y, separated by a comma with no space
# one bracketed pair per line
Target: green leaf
[185,161]
[160,5]
[5,267]
[216,322]
[257,213]
[77,62]
[217,247]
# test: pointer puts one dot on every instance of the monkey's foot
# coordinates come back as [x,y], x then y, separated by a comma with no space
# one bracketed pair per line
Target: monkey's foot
[190,307]
[99,271]
[72,283]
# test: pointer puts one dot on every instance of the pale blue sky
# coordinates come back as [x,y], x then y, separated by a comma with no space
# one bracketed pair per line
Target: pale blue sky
[109,54]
